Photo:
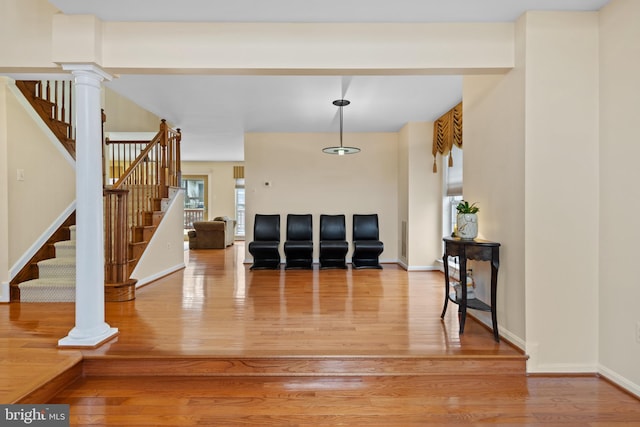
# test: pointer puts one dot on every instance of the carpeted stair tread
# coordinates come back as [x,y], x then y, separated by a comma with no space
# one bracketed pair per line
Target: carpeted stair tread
[65,249]
[57,268]
[48,290]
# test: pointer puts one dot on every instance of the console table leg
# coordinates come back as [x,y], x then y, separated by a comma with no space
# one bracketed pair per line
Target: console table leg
[494,289]
[462,307]
[445,260]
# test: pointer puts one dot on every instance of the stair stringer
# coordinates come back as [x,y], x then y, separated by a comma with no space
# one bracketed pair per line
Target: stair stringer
[165,252]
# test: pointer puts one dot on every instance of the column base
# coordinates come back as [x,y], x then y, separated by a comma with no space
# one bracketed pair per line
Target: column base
[91,342]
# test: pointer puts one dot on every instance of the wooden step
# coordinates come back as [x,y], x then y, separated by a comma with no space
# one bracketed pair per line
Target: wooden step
[45,108]
[143,233]
[152,217]
[44,374]
[304,365]
[136,249]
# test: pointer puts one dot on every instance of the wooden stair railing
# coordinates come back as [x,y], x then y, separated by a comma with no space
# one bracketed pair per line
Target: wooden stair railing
[133,204]
[53,101]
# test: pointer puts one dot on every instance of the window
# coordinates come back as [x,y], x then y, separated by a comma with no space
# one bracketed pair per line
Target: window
[240,207]
[452,181]
[195,199]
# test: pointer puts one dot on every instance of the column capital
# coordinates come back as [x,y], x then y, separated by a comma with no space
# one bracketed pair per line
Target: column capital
[88,69]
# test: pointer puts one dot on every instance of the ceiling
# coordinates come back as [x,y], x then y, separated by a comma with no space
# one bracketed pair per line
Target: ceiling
[214,111]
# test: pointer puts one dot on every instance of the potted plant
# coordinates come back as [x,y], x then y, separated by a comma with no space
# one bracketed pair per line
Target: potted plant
[467,220]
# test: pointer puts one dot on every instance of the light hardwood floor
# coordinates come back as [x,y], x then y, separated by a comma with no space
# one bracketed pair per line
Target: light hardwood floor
[219,345]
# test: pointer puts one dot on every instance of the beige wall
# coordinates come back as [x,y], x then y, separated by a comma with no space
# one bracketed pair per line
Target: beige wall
[303,179]
[403,195]
[49,178]
[619,291]
[423,198]
[165,252]
[269,46]
[542,143]
[126,116]
[493,173]
[4,194]
[561,172]
[221,185]
[25,36]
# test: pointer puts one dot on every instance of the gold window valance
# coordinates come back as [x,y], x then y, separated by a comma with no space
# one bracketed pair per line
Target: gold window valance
[447,132]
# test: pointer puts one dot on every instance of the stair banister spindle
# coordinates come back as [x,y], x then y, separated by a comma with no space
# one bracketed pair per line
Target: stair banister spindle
[72,128]
[63,110]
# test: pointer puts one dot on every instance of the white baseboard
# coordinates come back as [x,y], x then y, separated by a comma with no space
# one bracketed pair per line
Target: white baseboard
[619,380]
[149,279]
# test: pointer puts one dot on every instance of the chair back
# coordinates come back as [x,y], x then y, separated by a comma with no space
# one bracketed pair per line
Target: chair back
[365,227]
[332,227]
[266,227]
[299,227]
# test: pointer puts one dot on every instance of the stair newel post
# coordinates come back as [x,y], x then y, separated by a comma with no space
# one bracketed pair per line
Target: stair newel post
[116,237]
[90,328]
[178,159]
[105,146]
[163,156]
[72,128]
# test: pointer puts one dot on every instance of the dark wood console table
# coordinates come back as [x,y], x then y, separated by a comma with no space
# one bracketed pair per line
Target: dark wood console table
[479,250]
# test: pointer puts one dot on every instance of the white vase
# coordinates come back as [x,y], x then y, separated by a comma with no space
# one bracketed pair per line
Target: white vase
[467,226]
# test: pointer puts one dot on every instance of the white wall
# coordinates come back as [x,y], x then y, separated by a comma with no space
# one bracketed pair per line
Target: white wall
[303,179]
[619,291]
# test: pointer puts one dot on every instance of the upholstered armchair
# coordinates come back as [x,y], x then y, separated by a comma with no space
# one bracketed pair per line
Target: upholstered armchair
[266,242]
[333,241]
[298,248]
[366,244]
[216,234]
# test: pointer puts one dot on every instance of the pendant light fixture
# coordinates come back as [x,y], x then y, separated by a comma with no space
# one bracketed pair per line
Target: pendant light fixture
[341,150]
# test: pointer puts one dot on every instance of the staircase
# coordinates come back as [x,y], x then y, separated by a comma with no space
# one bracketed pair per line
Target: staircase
[146,175]
[56,280]
[53,101]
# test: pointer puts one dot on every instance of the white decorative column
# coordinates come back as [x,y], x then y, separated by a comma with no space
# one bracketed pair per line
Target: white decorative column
[90,329]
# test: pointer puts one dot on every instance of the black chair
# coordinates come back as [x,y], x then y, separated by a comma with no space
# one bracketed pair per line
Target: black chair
[366,244]
[298,248]
[266,240]
[333,241]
